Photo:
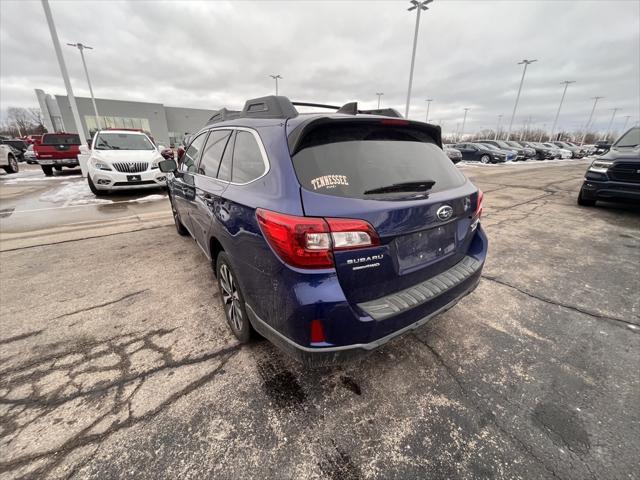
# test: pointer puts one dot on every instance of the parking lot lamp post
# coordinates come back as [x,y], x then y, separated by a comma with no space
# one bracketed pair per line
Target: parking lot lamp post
[588,124]
[495,137]
[276,77]
[82,47]
[379,94]
[428,100]
[613,115]
[63,69]
[526,63]
[464,121]
[418,6]
[555,121]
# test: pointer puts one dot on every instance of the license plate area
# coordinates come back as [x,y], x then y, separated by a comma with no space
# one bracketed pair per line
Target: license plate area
[425,246]
[134,178]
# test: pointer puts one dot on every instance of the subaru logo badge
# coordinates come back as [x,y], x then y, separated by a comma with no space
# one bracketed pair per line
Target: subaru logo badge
[445,212]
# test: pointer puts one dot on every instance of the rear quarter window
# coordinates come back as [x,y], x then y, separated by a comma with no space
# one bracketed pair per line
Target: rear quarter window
[347,159]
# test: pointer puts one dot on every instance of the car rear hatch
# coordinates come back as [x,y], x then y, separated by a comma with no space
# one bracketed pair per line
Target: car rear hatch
[59,146]
[423,225]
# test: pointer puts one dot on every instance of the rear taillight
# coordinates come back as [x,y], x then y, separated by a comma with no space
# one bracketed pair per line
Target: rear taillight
[308,242]
[478,211]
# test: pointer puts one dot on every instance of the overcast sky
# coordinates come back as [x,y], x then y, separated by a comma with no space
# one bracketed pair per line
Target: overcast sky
[212,54]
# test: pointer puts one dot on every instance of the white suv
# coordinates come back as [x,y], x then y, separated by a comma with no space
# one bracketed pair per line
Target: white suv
[123,159]
[8,159]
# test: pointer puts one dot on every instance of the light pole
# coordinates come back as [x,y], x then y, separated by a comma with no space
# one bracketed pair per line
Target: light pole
[276,77]
[418,6]
[379,94]
[626,120]
[63,70]
[613,115]
[82,47]
[495,137]
[526,63]
[555,121]
[588,124]
[428,100]
[464,121]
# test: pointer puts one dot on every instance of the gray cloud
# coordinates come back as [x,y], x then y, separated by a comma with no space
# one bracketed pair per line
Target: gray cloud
[213,54]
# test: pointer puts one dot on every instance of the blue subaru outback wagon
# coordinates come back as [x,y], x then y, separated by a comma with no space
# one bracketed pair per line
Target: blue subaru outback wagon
[329,233]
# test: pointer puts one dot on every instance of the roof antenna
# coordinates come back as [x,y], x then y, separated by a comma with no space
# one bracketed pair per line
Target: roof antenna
[349,108]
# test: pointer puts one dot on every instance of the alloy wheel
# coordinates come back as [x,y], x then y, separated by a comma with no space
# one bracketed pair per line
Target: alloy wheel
[230,297]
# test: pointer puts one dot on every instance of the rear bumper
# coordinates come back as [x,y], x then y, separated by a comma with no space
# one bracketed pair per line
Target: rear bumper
[58,162]
[610,190]
[356,330]
[326,356]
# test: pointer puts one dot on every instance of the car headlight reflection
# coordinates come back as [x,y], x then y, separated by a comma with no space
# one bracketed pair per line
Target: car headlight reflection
[600,166]
[101,166]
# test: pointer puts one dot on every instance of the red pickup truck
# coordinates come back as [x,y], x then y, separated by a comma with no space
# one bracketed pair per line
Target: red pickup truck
[57,150]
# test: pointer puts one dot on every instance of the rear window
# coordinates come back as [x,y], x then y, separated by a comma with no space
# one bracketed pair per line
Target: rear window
[349,159]
[55,139]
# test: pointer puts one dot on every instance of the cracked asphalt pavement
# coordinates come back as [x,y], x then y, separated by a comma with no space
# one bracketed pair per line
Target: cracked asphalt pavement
[116,361]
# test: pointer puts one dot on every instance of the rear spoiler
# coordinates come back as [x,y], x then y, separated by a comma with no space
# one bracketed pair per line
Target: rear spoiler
[295,137]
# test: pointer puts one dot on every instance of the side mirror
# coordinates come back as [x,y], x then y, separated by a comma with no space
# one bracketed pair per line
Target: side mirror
[167,166]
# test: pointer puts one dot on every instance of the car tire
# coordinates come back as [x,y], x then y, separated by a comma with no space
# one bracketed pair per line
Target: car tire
[585,202]
[180,228]
[58,168]
[95,190]
[13,165]
[485,159]
[48,170]
[232,299]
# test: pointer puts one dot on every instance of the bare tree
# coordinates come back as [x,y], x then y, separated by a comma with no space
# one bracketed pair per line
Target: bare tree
[23,121]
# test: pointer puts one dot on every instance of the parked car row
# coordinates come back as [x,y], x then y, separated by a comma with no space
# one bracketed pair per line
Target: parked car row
[484,153]
[495,151]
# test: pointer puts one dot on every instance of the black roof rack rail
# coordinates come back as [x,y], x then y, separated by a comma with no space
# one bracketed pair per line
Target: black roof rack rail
[224,114]
[273,106]
[320,105]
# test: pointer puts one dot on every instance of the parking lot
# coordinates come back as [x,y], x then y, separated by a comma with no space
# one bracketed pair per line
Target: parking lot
[117,361]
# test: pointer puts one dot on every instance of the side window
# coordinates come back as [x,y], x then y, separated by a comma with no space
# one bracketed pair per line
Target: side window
[224,172]
[213,151]
[189,160]
[247,158]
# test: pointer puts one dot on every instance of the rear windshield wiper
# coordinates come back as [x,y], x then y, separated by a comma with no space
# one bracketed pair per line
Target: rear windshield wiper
[419,186]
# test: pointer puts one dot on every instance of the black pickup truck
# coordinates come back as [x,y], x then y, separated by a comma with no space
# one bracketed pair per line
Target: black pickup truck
[614,175]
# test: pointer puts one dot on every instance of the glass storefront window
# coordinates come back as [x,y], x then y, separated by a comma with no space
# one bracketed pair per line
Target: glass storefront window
[116,122]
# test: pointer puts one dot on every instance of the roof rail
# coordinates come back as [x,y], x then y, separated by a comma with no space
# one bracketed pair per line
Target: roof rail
[273,106]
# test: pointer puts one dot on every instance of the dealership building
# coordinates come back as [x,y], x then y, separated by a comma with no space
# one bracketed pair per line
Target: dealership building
[167,125]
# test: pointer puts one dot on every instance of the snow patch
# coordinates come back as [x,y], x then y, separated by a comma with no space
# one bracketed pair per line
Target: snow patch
[30,177]
[149,198]
[76,193]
